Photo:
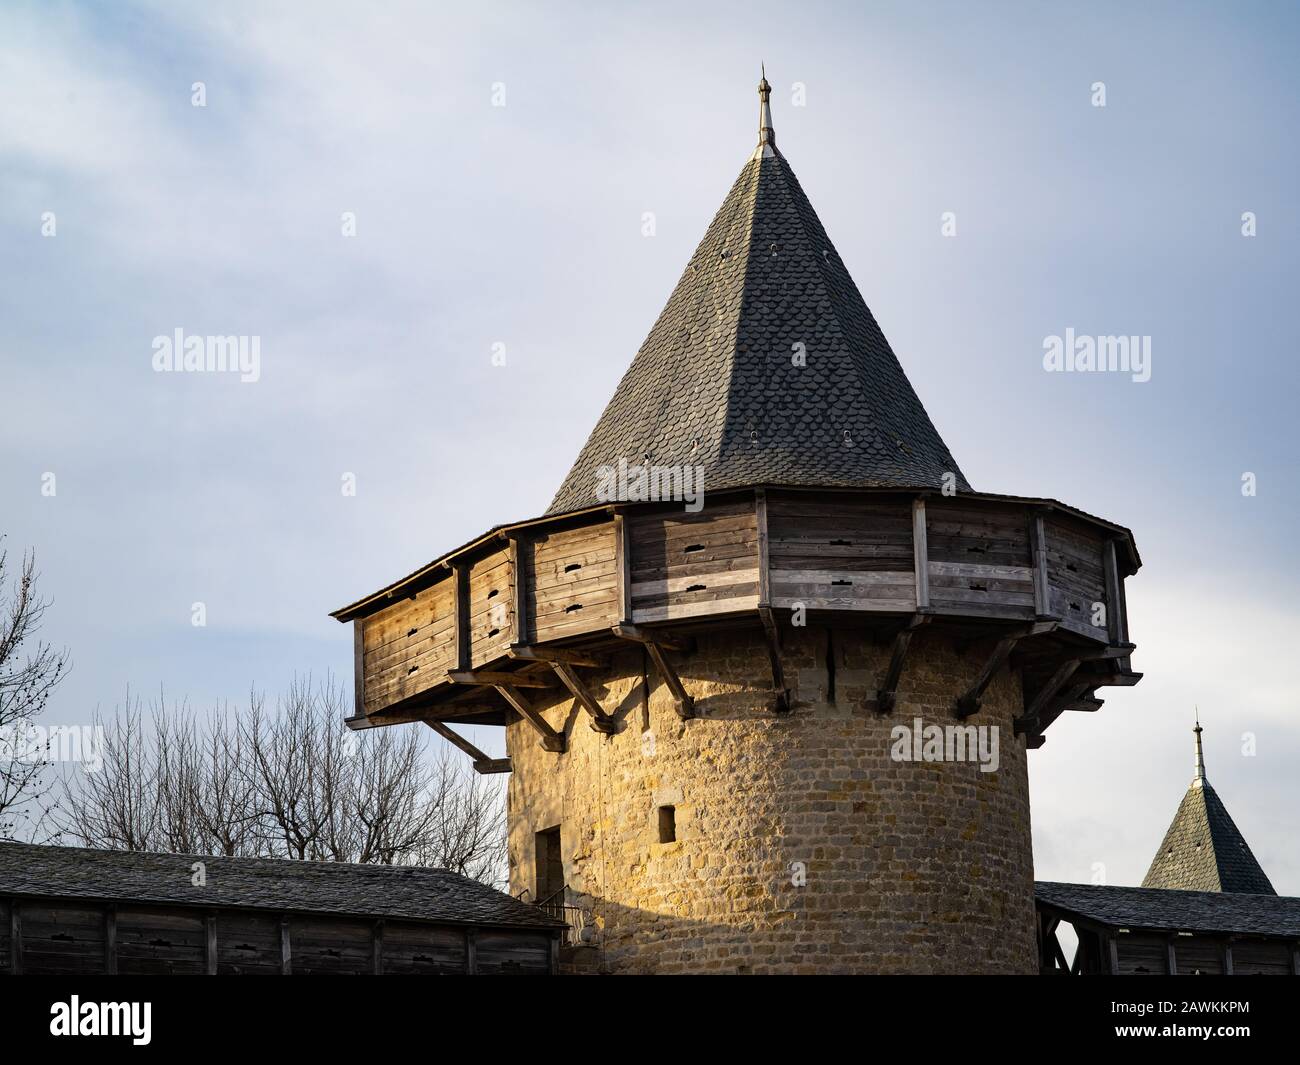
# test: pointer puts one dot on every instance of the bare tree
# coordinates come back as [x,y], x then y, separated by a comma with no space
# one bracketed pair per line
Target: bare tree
[29,672]
[295,783]
[117,806]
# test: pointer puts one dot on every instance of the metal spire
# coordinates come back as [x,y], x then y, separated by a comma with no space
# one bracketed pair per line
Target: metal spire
[1200,755]
[766,134]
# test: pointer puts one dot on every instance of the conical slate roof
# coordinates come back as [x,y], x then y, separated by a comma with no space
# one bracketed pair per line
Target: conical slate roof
[717,382]
[1203,851]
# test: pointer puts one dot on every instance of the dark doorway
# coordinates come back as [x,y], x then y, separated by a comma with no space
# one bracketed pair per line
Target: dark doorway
[550,866]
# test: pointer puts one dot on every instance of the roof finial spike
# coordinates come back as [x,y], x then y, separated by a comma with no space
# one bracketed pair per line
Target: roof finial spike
[1200,754]
[766,134]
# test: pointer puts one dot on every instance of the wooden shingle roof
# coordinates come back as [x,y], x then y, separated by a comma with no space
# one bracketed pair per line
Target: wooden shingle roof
[766,366]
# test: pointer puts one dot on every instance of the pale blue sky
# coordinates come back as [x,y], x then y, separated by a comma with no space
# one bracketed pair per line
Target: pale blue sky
[522,225]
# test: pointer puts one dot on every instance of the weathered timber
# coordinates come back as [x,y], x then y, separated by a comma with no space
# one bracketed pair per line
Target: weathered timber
[772,639]
[600,721]
[887,693]
[481,762]
[623,566]
[462,657]
[551,740]
[558,654]
[684,704]
[920,555]
[490,678]
[666,640]
[969,702]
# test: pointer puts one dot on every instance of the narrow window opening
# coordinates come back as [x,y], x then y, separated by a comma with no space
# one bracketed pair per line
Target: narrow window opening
[667,824]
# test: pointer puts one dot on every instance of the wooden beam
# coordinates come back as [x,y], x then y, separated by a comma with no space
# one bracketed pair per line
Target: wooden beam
[110,939]
[210,928]
[358,668]
[377,948]
[1049,690]
[772,637]
[286,951]
[532,653]
[888,690]
[920,555]
[1042,583]
[471,952]
[622,567]
[15,938]
[764,569]
[460,574]
[1026,725]
[1113,610]
[600,721]
[666,640]
[489,679]
[1227,957]
[551,740]
[684,703]
[482,763]
[969,702]
[1112,955]
[519,548]
[1171,958]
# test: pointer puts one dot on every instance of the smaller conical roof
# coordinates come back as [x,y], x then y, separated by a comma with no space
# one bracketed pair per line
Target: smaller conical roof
[1203,849]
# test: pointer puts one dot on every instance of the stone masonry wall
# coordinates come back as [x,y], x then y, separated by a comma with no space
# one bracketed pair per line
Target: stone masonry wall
[801,846]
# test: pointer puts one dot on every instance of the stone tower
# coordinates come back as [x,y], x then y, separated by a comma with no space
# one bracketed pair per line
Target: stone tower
[768,668]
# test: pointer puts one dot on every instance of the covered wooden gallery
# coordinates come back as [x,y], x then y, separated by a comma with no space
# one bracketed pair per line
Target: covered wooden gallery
[1141,931]
[70,911]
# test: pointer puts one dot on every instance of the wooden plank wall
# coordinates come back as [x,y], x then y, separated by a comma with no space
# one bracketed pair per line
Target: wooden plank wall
[1141,955]
[979,559]
[572,584]
[409,646]
[685,565]
[1258,957]
[491,606]
[841,555]
[68,937]
[412,949]
[1076,575]
[156,942]
[248,944]
[505,953]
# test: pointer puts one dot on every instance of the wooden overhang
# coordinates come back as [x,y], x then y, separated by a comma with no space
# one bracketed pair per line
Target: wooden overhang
[1028,581]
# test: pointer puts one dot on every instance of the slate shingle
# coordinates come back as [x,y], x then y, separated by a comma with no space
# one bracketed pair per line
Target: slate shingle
[393,891]
[714,384]
[1204,851]
[1182,911]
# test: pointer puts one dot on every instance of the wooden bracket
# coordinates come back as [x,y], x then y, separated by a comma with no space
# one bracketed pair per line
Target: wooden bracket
[490,679]
[550,655]
[684,703]
[887,693]
[969,702]
[773,637]
[667,641]
[551,740]
[482,763]
[600,721]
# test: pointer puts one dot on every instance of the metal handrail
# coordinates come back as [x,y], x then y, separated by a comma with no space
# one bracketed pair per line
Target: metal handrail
[574,917]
